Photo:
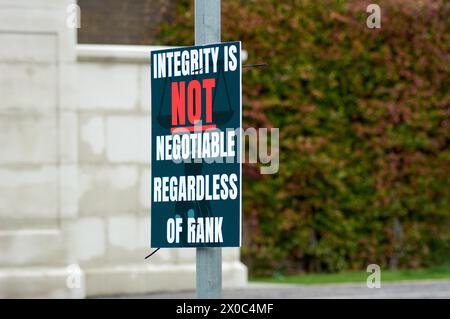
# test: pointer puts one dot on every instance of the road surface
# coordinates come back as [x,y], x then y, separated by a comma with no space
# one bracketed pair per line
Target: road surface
[404,289]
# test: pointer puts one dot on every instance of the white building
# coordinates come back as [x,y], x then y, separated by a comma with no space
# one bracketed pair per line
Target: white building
[75,165]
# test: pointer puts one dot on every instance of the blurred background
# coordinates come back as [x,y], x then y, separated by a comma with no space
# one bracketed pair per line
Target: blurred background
[364,125]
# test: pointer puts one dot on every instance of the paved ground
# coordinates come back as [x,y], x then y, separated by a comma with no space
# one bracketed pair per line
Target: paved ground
[410,289]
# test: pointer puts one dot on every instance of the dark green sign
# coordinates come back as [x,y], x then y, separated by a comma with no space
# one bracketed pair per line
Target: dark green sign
[195,143]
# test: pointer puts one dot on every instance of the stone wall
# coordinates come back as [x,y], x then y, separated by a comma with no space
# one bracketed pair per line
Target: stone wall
[123,22]
[75,164]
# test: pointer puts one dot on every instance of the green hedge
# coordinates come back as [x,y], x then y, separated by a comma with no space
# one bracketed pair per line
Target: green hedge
[364,131]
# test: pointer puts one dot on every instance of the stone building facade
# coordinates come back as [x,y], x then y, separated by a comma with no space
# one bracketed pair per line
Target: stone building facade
[75,165]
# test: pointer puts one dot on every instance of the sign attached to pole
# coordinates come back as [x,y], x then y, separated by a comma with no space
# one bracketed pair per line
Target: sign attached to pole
[196,145]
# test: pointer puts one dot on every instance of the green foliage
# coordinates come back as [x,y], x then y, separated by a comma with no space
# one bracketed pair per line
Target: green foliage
[432,273]
[364,131]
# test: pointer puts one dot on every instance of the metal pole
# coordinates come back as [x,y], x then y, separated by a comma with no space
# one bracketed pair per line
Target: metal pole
[209,260]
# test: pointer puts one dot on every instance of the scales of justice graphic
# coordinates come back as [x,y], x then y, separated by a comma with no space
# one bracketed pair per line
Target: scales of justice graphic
[222,114]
